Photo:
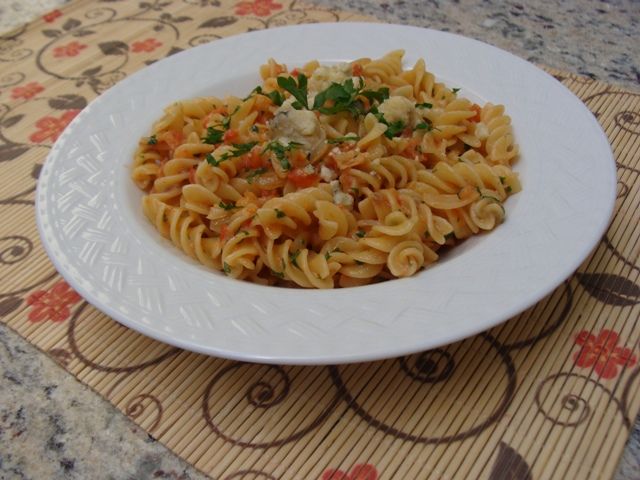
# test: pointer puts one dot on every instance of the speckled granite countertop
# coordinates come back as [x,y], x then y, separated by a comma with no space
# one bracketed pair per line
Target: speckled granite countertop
[52,427]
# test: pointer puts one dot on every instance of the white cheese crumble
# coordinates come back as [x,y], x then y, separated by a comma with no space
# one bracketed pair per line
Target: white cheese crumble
[340,197]
[482,131]
[327,174]
[399,109]
[324,76]
[309,170]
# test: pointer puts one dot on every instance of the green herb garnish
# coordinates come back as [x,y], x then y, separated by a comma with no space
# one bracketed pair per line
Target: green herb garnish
[296,88]
[275,96]
[152,140]
[448,235]
[393,128]
[238,150]
[327,255]
[343,97]
[255,173]
[226,268]
[455,90]
[424,105]
[226,121]
[281,150]
[280,213]
[347,138]
[508,189]
[423,126]
[293,258]
[213,136]
[360,233]
[277,274]
[227,206]
[502,179]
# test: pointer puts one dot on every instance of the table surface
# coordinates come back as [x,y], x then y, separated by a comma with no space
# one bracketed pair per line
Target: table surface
[51,426]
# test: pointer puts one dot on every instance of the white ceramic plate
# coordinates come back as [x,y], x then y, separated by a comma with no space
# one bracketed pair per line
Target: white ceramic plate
[92,226]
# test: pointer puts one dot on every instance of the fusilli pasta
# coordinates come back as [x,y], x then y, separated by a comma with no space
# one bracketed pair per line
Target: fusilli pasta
[327,176]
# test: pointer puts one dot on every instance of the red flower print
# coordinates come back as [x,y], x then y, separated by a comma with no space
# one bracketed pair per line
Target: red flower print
[603,352]
[261,8]
[148,45]
[26,91]
[69,50]
[358,472]
[50,128]
[52,304]
[51,16]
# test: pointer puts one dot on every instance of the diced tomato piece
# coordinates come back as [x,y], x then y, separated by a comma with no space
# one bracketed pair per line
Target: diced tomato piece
[172,138]
[467,192]
[301,179]
[192,175]
[357,69]
[477,109]
[254,159]
[295,72]
[230,136]
[410,149]
[298,159]
[225,232]
[348,181]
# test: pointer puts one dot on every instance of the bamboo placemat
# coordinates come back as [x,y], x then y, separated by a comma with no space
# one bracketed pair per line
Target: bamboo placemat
[549,394]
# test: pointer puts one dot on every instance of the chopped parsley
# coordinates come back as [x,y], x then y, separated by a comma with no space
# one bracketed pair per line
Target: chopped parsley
[338,97]
[226,268]
[227,120]
[347,138]
[343,97]
[280,213]
[327,255]
[360,233]
[227,206]
[508,189]
[293,258]
[502,179]
[238,150]
[213,136]
[277,274]
[378,95]
[255,173]
[448,236]
[393,128]
[244,232]
[152,140]
[296,88]
[455,90]
[423,126]
[275,96]
[281,150]
[424,105]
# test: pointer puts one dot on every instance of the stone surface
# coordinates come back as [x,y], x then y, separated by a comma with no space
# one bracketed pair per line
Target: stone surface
[53,427]
[589,37]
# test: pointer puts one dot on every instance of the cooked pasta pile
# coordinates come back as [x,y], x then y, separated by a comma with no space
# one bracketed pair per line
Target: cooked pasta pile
[327,176]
